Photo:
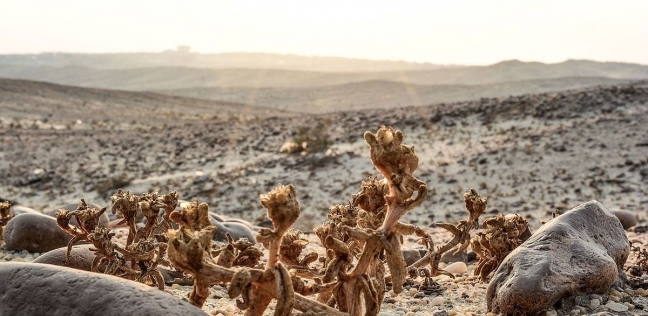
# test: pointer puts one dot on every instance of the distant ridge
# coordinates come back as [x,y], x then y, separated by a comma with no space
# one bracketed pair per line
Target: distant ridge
[24,99]
[165,78]
[215,61]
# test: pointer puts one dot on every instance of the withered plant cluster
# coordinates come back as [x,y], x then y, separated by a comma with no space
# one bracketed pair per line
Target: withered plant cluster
[362,259]
[362,240]
[640,265]
[501,235]
[5,216]
[145,247]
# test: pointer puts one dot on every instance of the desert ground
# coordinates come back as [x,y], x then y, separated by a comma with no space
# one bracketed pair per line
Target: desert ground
[529,154]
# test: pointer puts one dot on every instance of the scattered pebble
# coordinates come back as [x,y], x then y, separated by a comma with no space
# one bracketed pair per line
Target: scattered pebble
[617,307]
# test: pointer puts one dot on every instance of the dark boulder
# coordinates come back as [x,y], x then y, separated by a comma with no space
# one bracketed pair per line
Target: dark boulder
[579,252]
[34,233]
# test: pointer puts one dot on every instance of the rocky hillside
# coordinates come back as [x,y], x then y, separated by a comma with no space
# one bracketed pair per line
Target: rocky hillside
[530,154]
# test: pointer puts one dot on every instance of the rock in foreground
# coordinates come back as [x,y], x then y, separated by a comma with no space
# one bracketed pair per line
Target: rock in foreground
[581,251]
[40,289]
[34,233]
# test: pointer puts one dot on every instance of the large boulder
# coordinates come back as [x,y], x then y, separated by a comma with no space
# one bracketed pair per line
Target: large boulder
[579,252]
[35,233]
[40,289]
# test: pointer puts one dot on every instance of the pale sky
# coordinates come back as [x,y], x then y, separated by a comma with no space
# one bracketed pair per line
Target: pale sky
[445,32]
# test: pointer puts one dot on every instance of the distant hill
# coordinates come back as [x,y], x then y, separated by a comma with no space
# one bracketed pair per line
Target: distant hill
[166,78]
[21,99]
[214,61]
[381,94]
[303,83]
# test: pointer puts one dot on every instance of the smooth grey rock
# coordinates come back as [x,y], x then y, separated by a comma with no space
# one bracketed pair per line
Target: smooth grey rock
[224,219]
[628,219]
[34,233]
[236,230]
[103,220]
[39,289]
[240,221]
[19,209]
[81,257]
[579,252]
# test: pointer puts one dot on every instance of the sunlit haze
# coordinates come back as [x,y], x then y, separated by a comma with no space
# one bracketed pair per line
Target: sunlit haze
[444,32]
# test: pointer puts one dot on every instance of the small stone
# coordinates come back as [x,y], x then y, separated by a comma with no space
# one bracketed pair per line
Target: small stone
[594,304]
[552,313]
[450,257]
[628,219]
[411,256]
[616,307]
[457,268]
[582,300]
[175,286]
[413,291]
[437,301]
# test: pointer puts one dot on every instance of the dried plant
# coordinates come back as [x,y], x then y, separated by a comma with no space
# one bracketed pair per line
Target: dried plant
[5,216]
[189,250]
[501,235]
[640,266]
[145,248]
[362,240]
[86,217]
[371,223]
[241,253]
[475,205]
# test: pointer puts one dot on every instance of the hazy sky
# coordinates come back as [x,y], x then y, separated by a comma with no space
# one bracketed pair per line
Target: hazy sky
[459,32]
